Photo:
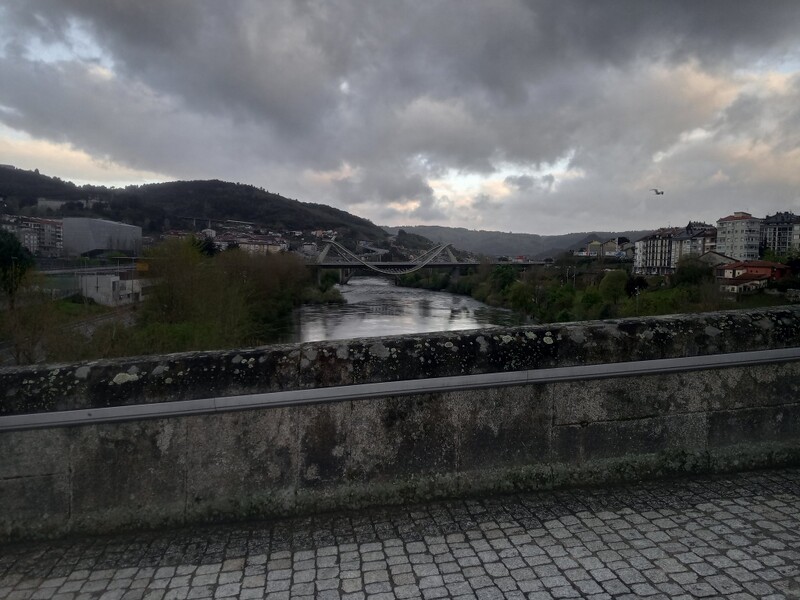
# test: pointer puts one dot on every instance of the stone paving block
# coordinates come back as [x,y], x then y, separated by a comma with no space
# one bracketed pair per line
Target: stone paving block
[509,547]
[433,593]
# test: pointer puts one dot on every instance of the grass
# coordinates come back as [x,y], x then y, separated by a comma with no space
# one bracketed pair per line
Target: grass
[71,310]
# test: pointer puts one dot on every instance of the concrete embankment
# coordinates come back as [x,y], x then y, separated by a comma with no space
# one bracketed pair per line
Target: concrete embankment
[152,441]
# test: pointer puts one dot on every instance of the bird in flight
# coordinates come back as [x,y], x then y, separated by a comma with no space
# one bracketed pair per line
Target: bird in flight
[658,192]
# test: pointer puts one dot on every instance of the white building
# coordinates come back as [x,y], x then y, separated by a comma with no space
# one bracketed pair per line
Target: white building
[653,253]
[739,236]
[109,289]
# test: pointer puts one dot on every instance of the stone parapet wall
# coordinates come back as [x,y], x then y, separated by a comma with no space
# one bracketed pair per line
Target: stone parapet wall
[185,376]
[350,453]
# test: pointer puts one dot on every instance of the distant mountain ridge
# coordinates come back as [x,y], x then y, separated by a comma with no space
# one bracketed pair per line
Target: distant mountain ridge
[499,243]
[160,206]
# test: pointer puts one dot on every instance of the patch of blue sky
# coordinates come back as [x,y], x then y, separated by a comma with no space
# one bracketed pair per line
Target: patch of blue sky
[786,64]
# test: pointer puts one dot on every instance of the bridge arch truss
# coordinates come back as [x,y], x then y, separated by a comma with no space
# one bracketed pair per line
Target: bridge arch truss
[422,261]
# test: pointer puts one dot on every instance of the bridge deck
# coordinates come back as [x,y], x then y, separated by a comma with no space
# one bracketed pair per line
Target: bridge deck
[431,265]
[734,537]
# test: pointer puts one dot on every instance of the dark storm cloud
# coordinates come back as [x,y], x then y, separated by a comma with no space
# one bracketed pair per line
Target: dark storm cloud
[405,92]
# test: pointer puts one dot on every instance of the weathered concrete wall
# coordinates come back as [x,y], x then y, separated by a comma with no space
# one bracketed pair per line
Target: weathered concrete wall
[384,450]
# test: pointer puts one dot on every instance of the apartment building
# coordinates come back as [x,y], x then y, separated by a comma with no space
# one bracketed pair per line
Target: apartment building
[694,240]
[739,236]
[781,232]
[42,237]
[660,252]
[653,254]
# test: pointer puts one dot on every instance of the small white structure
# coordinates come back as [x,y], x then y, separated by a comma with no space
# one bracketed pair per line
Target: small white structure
[109,289]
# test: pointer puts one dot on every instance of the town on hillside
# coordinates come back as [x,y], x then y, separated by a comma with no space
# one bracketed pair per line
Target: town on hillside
[742,249]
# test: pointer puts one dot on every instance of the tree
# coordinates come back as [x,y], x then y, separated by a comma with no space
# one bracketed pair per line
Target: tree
[327,280]
[520,296]
[502,277]
[635,285]
[612,286]
[15,261]
[692,272]
[205,246]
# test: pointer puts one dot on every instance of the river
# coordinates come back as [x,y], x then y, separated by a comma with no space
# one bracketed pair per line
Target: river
[377,307]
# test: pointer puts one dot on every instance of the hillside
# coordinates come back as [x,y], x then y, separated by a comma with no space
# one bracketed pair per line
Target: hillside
[27,186]
[498,243]
[160,206]
[157,207]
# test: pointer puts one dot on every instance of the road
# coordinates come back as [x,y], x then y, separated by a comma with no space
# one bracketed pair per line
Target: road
[735,537]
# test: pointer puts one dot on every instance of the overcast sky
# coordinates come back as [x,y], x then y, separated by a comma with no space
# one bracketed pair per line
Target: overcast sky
[527,116]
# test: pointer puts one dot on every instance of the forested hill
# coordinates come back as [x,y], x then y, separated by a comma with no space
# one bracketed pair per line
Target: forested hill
[159,206]
[497,243]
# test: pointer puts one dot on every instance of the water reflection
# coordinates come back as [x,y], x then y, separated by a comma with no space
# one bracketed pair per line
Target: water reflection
[377,307]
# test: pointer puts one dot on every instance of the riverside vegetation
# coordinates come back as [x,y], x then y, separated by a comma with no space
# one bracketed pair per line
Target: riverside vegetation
[202,300]
[199,300]
[576,290]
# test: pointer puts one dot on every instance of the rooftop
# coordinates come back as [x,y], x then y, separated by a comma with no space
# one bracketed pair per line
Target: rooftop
[739,216]
[755,264]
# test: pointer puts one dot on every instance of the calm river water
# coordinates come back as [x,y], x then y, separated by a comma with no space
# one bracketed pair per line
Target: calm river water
[377,307]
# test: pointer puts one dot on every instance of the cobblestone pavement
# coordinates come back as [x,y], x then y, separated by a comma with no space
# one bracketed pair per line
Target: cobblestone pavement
[736,537]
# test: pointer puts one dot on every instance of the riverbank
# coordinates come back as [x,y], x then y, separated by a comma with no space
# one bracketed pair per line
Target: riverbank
[573,291]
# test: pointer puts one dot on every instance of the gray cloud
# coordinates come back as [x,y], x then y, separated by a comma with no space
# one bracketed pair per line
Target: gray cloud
[587,104]
[521,182]
[525,183]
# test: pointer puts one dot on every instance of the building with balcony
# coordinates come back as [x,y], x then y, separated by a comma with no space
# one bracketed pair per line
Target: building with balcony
[781,233]
[653,253]
[693,241]
[41,237]
[739,236]
[660,252]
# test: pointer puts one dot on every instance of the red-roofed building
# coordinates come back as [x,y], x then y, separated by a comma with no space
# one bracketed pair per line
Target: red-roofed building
[762,268]
[744,283]
[749,276]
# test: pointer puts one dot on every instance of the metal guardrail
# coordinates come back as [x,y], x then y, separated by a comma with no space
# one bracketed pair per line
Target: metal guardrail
[90,270]
[367,391]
